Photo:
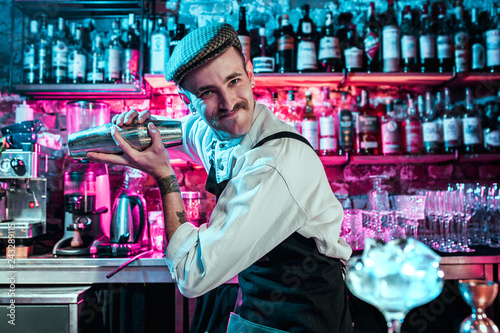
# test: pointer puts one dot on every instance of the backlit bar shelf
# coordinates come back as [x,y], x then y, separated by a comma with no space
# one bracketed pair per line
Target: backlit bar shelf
[82,90]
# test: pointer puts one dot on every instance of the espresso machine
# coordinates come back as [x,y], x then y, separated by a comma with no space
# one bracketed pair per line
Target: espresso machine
[86,209]
[23,189]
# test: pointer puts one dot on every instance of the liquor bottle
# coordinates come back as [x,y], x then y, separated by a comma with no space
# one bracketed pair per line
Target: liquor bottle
[451,125]
[243,34]
[95,71]
[329,48]
[371,41]
[292,117]
[159,50]
[478,58]
[353,52]
[286,46]
[427,42]
[346,126]
[445,43]
[310,123]
[367,128]
[327,133]
[491,126]
[30,60]
[492,35]
[113,55]
[390,39]
[263,63]
[472,132]
[275,106]
[431,131]
[131,54]
[461,41]
[179,34]
[391,128]
[409,44]
[44,54]
[60,54]
[413,130]
[306,49]
[77,59]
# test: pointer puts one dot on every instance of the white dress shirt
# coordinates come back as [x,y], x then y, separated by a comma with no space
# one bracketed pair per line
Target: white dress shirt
[274,190]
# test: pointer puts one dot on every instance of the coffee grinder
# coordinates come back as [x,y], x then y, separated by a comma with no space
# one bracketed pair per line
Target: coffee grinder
[86,205]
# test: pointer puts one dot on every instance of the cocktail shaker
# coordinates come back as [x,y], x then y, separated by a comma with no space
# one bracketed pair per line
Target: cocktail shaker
[98,139]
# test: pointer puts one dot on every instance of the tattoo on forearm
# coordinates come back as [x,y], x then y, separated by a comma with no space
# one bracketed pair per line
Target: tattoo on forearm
[168,185]
[182,217]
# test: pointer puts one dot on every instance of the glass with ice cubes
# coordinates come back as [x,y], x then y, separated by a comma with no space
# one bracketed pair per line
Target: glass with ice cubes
[395,277]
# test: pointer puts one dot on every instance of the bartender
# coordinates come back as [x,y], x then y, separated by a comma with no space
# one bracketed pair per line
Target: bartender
[276,223]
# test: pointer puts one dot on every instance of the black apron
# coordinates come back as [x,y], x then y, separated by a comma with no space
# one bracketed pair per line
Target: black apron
[293,288]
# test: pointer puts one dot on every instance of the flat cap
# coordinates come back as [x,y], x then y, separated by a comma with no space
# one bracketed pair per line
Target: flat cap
[198,47]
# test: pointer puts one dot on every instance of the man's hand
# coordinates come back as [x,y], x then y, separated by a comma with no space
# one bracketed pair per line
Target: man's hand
[128,117]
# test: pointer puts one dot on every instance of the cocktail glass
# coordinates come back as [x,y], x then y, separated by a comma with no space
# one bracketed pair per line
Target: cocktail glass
[395,277]
[479,294]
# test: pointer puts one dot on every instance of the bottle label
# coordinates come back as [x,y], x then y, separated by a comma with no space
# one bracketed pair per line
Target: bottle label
[409,46]
[478,56]
[326,126]
[390,42]
[427,47]
[159,53]
[462,60]
[367,124]
[346,129]
[286,43]
[328,143]
[306,27]
[471,130]
[414,139]
[306,55]
[130,61]
[493,58]
[492,138]
[451,132]
[444,47]
[493,47]
[59,55]
[29,57]
[372,45]
[310,132]
[391,138]
[77,65]
[430,132]
[112,63]
[263,65]
[245,45]
[329,48]
[353,57]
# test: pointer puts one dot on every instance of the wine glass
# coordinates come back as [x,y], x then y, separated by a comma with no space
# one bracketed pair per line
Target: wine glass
[479,294]
[395,277]
[378,199]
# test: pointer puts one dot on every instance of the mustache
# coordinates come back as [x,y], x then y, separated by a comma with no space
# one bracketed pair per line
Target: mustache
[222,112]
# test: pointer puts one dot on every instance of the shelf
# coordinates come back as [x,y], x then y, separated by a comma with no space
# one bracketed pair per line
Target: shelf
[80,8]
[83,90]
[157,81]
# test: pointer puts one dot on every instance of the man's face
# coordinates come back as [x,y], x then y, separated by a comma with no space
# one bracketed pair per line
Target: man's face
[221,90]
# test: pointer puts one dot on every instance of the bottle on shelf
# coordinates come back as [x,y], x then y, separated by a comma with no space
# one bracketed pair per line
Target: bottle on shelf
[327,126]
[44,51]
[390,39]
[491,126]
[131,54]
[346,126]
[431,129]
[306,48]
[492,36]
[95,71]
[243,34]
[275,106]
[371,41]
[180,31]
[60,54]
[159,50]
[350,45]
[310,123]
[413,130]
[472,132]
[391,131]
[461,38]
[427,42]
[263,63]
[77,59]
[451,125]
[444,42]
[292,116]
[329,56]
[286,46]
[113,55]
[30,60]
[409,44]
[367,128]
[478,54]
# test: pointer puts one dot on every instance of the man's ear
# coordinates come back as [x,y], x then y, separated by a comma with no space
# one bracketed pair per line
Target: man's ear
[184,97]
[249,69]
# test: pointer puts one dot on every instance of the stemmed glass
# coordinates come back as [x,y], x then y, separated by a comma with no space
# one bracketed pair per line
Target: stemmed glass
[479,294]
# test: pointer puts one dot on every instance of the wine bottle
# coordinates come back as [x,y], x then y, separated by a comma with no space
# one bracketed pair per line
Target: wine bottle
[306,49]
[371,41]
[478,58]
[391,50]
[427,42]
[263,63]
[329,48]
[409,44]
[243,34]
[286,47]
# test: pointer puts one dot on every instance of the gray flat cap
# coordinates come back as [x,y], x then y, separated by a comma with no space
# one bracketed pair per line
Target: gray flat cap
[198,47]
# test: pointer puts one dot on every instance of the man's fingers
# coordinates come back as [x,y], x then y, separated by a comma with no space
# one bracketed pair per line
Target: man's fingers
[107,158]
[155,135]
[121,142]
[143,116]
[130,117]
